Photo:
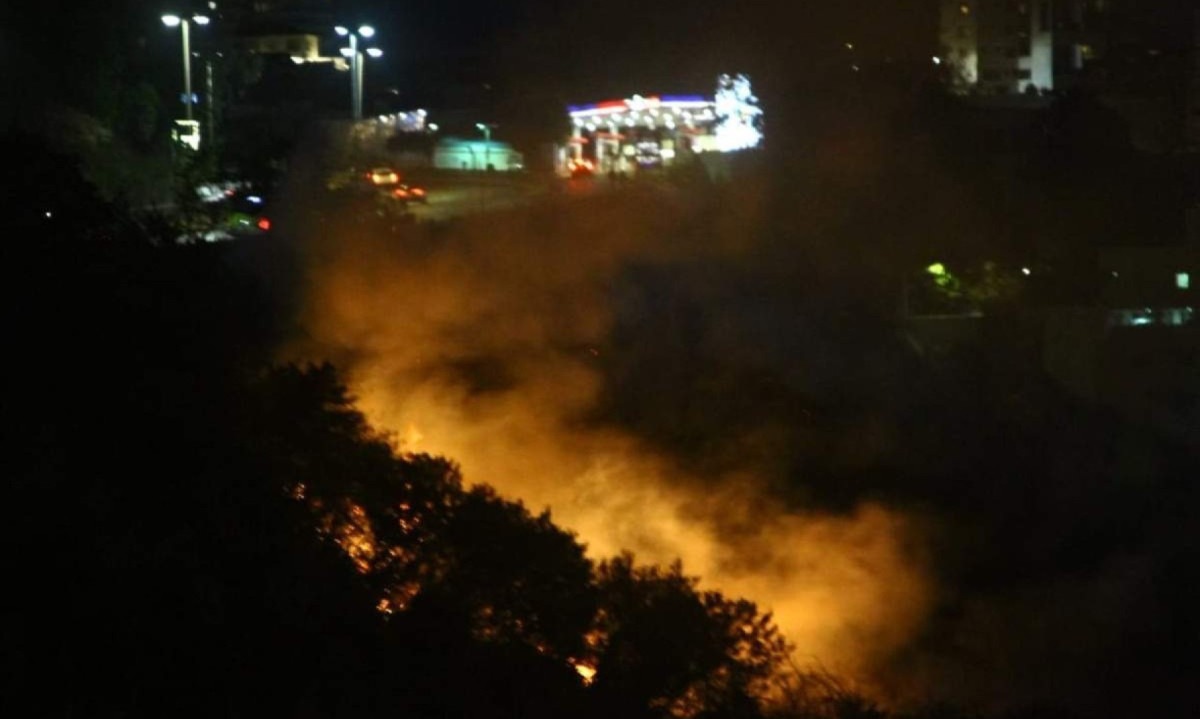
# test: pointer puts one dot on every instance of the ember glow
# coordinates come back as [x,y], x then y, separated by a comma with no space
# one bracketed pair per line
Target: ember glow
[586,673]
[485,350]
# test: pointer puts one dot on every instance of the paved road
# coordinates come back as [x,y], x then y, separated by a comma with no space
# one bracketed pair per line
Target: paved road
[454,194]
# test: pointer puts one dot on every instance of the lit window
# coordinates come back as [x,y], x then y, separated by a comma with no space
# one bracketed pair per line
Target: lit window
[1183,280]
[965,9]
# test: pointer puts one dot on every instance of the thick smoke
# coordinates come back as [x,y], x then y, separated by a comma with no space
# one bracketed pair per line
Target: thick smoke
[486,342]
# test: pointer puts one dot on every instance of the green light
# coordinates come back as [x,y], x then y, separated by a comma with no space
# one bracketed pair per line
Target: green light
[936,269]
[1183,280]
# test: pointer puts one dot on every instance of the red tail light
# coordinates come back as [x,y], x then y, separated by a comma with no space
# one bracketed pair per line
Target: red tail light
[264,224]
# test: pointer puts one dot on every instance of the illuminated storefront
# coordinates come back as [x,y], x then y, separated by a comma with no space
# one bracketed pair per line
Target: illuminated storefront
[619,135]
[623,136]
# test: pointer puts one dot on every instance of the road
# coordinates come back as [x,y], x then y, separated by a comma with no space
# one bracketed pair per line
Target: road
[457,194]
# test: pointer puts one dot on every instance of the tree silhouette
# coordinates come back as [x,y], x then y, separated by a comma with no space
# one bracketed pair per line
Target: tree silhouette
[665,648]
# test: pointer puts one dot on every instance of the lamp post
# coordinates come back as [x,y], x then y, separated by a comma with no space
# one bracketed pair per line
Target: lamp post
[355,55]
[486,129]
[183,24]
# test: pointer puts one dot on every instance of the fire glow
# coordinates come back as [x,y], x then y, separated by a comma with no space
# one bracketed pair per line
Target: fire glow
[847,589]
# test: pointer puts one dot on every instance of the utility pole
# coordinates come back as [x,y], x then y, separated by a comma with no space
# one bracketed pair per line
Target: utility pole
[210,101]
[187,69]
[184,25]
[355,78]
[355,56]
[486,128]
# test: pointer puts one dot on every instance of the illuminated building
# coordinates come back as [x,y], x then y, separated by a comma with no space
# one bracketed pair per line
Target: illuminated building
[998,47]
[289,28]
[476,155]
[620,136]
[1011,47]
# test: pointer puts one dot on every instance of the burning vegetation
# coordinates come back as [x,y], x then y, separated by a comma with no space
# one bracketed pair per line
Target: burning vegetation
[434,553]
[470,347]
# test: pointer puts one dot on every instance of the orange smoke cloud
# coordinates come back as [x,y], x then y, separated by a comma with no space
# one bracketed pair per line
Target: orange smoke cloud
[478,345]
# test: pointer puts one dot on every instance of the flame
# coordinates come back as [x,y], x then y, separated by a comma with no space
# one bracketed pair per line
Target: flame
[356,538]
[586,672]
[351,530]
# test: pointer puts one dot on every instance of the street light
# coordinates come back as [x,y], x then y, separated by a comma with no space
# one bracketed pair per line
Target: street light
[486,129]
[182,23]
[356,63]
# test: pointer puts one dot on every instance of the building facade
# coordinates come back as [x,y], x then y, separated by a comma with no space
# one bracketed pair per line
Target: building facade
[998,47]
[453,153]
[620,135]
[643,132]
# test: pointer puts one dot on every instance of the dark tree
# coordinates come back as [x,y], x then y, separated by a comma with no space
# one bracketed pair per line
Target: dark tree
[666,648]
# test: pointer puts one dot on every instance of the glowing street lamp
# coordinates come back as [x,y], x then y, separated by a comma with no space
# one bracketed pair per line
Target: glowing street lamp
[183,23]
[356,63]
[486,129]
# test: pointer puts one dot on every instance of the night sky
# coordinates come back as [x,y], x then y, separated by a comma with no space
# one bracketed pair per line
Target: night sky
[593,49]
[571,52]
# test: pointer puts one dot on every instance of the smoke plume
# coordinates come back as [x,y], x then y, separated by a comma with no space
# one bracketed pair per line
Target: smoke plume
[485,342]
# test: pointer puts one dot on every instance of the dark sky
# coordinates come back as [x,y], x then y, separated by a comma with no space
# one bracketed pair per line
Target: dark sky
[536,53]
[590,50]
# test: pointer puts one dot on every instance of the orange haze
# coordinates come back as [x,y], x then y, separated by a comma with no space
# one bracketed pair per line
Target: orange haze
[527,292]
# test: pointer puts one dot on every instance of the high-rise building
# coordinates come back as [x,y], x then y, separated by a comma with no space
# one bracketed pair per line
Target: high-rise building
[1004,47]
[958,35]
[998,47]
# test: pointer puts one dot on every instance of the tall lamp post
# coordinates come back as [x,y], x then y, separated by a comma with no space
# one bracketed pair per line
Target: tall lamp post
[486,129]
[355,55]
[183,24]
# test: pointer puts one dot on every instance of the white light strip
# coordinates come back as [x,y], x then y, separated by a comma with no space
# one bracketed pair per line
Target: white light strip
[617,109]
